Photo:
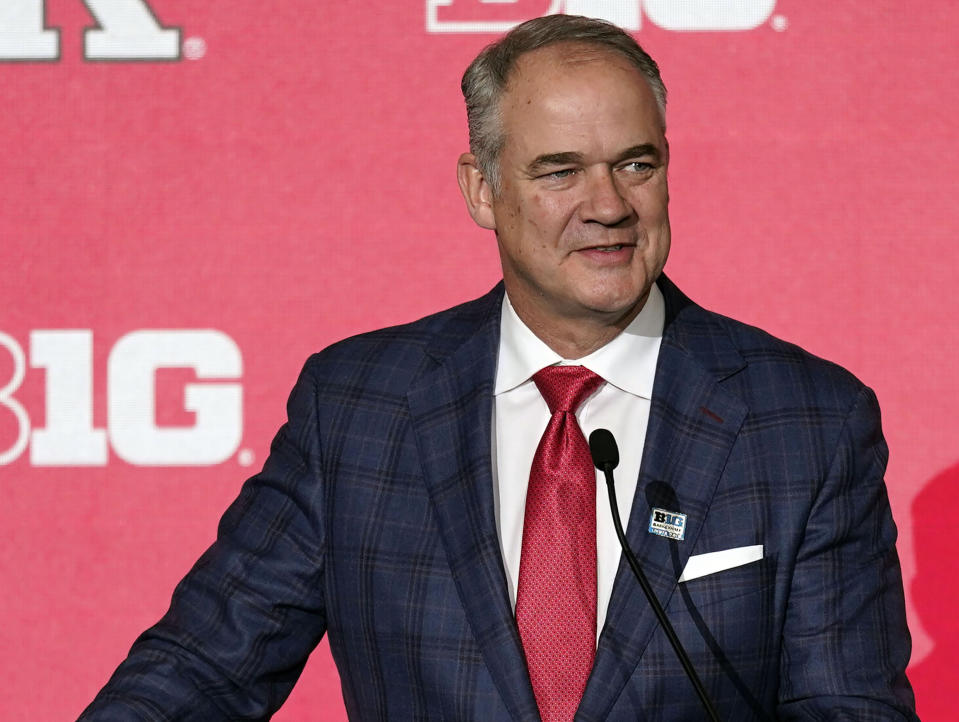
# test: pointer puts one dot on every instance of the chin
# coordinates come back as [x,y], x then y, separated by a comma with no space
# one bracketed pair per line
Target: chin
[615,300]
[612,306]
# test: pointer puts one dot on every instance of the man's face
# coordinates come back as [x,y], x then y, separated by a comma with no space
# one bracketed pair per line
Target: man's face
[581,216]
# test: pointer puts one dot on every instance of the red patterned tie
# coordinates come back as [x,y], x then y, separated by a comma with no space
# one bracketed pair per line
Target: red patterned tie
[556,596]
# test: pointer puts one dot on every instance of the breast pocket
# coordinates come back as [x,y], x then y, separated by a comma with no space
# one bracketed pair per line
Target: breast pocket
[726,585]
[729,623]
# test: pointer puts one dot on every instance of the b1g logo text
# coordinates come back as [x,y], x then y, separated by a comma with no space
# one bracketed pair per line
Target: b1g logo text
[126,30]
[69,437]
[494,16]
[669,524]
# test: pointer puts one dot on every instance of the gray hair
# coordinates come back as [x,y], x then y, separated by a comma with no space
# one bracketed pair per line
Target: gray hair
[485,79]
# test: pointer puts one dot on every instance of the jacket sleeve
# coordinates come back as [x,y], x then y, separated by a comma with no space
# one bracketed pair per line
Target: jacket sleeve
[243,621]
[845,641]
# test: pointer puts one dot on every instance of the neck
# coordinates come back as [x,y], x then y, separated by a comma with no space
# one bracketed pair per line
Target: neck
[576,337]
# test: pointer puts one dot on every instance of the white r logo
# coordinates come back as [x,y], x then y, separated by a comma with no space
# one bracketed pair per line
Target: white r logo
[126,30]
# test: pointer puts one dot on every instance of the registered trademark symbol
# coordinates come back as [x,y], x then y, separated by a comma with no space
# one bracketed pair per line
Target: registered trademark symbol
[779,23]
[194,48]
[245,457]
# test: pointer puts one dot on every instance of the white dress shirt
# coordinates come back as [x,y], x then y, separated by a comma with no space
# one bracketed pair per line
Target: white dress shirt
[520,416]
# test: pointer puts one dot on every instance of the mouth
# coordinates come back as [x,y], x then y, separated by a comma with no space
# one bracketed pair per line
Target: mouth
[615,254]
[607,248]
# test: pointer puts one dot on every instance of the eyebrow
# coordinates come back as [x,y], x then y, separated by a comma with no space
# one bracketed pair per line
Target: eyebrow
[637,151]
[551,160]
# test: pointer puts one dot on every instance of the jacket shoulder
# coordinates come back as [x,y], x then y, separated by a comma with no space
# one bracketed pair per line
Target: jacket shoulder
[392,356]
[763,366]
[774,365]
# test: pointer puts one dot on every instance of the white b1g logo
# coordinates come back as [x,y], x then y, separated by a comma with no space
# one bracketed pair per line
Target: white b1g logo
[127,30]
[486,16]
[69,438]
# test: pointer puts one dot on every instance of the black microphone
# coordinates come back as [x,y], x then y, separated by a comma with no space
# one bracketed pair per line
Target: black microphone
[605,453]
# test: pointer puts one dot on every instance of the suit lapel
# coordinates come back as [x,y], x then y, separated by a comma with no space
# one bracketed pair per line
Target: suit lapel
[451,411]
[693,424]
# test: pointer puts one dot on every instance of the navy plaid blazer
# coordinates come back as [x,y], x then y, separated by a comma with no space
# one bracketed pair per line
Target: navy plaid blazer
[372,521]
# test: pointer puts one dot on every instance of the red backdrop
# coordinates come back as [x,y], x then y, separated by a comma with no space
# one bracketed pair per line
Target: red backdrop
[197,195]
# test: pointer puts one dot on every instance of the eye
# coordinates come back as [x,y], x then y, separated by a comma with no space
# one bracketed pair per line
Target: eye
[559,174]
[638,166]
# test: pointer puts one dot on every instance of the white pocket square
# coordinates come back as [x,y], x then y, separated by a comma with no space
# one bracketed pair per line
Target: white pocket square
[699,565]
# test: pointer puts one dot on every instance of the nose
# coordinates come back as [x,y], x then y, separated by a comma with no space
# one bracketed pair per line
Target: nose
[605,201]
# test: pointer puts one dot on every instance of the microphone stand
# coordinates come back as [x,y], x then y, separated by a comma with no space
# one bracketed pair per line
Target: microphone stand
[606,465]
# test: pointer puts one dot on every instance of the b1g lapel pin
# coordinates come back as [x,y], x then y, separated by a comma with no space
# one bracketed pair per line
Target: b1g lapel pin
[669,524]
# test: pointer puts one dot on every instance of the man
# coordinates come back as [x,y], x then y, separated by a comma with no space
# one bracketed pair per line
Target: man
[460,584]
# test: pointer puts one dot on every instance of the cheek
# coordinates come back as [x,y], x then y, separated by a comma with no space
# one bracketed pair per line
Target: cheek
[548,216]
[527,219]
[657,202]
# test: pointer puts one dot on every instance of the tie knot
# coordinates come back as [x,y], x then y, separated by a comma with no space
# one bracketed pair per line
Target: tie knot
[564,388]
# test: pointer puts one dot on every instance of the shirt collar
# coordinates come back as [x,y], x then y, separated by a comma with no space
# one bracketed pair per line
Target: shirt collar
[627,362]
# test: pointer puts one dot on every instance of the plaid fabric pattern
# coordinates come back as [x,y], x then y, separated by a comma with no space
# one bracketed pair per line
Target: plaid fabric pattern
[373,522]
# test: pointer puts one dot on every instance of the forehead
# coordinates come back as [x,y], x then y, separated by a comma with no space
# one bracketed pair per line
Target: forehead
[573,93]
[536,64]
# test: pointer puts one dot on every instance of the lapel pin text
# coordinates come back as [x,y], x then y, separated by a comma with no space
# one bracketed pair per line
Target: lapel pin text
[669,524]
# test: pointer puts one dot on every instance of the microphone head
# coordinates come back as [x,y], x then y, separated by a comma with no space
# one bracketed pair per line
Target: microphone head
[603,449]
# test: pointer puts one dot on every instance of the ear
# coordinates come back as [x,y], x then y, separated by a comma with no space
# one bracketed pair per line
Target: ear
[476,191]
